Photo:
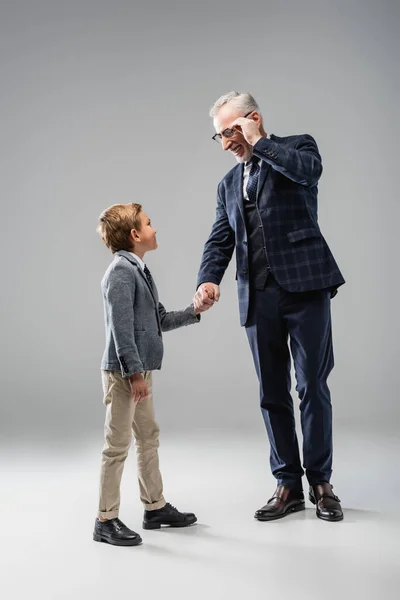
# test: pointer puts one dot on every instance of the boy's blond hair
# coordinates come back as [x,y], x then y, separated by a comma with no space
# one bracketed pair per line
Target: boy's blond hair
[116,223]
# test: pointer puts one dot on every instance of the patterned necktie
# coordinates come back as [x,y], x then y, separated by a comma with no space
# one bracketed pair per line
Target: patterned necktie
[252,183]
[148,275]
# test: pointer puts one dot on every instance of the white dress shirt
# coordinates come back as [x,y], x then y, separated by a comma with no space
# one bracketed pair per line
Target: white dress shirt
[136,257]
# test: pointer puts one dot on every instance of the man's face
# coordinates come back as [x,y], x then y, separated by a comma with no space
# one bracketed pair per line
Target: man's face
[236,144]
[147,233]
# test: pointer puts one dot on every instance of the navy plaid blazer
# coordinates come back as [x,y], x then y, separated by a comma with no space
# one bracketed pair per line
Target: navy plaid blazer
[287,198]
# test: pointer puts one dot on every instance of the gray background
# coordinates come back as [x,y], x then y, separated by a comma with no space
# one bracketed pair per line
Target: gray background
[106,102]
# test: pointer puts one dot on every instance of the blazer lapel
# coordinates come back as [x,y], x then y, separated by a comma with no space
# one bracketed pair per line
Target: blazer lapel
[264,169]
[238,183]
[132,260]
[151,287]
[238,187]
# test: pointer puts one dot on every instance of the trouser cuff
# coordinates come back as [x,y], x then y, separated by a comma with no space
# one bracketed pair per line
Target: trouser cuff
[111,514]
[291,484]
[156,505]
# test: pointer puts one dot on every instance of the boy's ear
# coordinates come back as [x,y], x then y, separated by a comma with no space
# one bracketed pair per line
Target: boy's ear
[135,236]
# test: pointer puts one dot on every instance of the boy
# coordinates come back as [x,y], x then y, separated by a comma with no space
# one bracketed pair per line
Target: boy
[134,320]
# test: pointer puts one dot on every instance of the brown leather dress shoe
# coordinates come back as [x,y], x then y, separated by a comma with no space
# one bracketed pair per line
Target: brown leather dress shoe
[284,501]
[328,505]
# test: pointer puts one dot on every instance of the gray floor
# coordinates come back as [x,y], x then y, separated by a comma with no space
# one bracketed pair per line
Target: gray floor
[48,507]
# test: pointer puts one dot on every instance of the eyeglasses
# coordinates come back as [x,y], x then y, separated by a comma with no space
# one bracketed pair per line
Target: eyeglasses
[228,133]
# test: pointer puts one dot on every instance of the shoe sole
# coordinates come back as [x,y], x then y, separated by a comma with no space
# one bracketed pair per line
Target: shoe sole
[100,538]
[331,519]
[292,509]
[159,525]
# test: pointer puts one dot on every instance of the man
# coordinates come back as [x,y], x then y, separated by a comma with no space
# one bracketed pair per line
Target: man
[286,277]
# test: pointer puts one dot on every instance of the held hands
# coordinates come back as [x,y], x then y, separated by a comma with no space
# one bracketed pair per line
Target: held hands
[249,128]
[139,387]
[205,297]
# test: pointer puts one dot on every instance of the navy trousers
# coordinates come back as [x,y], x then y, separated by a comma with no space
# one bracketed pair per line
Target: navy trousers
[304,319]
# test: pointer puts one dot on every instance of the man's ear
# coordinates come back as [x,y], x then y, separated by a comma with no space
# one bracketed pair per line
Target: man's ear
[255,116]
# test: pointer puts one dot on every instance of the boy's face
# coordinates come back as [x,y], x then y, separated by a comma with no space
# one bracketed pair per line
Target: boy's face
[145,239]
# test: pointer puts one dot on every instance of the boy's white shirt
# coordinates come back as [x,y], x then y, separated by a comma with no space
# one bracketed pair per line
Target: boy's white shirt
[136,257]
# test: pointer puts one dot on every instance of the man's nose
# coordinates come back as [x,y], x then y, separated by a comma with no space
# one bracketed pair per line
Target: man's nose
[226,143]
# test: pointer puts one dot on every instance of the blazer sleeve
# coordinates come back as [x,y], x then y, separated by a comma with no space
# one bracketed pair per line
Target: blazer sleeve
[219,247]
[119,294]
[176,318]
[302,163]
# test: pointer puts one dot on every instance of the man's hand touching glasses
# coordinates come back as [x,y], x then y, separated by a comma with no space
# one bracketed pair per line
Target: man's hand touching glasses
[249,128]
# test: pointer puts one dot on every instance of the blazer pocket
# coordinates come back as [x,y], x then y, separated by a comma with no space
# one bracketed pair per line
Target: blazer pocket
[303,234]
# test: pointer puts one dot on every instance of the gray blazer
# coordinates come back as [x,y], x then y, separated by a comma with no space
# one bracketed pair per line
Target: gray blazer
[134,318]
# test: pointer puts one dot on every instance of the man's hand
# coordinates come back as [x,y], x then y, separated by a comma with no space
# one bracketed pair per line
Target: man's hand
[206,295]
[139,387]
[249,128]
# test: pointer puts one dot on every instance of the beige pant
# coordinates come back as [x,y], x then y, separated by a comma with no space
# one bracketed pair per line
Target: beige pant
[124,416]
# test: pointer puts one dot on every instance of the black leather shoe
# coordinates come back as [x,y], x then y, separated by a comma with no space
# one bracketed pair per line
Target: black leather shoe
[167,515]
[283,502]
[328,505]
[116,533]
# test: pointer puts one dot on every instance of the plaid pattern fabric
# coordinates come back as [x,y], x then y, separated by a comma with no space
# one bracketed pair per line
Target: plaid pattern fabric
[298,254]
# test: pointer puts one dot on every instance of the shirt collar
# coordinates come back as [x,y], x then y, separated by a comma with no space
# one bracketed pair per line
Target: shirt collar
[139,260]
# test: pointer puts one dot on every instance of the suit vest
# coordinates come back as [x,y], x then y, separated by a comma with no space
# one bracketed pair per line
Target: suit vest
[258,260]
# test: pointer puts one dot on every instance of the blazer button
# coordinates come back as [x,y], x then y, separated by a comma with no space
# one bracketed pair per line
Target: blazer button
[244,243]
[245,271]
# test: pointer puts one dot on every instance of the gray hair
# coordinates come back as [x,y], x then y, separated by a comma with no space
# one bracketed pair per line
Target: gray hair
[242,101]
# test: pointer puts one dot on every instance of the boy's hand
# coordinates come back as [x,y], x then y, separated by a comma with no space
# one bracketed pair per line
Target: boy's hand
[139,387]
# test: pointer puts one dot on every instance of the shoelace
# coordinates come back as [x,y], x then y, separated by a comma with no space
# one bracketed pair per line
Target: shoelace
[118,524]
